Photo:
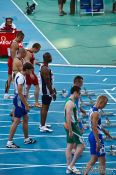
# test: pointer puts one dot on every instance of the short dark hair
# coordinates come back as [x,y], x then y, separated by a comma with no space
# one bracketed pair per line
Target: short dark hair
[20,33]
[28,66]
[47,57]
[75,89]
[36,45]
[78,77]
[9,18]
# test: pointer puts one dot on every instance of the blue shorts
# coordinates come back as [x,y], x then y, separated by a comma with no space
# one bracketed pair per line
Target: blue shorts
[19,110]
[92,142]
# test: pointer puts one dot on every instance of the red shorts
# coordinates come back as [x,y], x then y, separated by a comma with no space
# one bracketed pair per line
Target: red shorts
[10,63]
[30,81]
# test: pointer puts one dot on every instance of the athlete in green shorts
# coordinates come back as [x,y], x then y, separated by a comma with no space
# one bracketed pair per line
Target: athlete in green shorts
[72,131]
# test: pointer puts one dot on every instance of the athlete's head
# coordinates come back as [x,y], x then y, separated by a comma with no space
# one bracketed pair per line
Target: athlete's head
[20,36]
[27,68]
[101,101]
[47,58]
[8,21]
[36,47]
[76,91]
[78,81]
[21,53]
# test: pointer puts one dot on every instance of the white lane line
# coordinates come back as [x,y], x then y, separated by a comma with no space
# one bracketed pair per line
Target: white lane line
[114,88]
[35,2]
[110,95]
[40,31]
[72,74]
[18,166]
[98,71]
[105,79]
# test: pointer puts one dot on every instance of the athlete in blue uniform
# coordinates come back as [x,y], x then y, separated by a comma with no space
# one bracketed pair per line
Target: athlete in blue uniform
[21,106]
[97,148]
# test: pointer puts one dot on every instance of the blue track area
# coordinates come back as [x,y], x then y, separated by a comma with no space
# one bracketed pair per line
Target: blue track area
[47,156]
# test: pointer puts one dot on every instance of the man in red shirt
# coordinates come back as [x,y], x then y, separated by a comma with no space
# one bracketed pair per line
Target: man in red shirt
[8,25]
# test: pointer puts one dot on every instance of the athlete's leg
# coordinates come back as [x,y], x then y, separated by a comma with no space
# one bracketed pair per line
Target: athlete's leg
[7,85]
[90,164]
[44,111]
[78,152]
[25,126]
[13,128]
[102,167]
[27,90]
[69,153]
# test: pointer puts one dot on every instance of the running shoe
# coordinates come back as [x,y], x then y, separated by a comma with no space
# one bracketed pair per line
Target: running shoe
[74,170]
[12,145]
[45,129]
[6,96]
[47,125]
[68,171]
[29,141]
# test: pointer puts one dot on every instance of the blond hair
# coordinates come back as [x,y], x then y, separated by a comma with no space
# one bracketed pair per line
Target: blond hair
[102,98]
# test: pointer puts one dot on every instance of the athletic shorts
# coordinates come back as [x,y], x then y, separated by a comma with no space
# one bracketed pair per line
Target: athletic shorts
[92,142]
[77,136]
[10,64]
[19,110]
[30,81]
[46,99]
[60,1]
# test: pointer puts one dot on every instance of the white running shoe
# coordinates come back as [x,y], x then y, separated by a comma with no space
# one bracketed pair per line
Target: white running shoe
[6,96]
[45,129]
[74,170]
[68,171]
[12,145]
[47,125]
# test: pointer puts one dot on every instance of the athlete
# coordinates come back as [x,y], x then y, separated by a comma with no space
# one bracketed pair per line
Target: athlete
[18,61]
[97,148]
[74,135]
[15,45]
[48,91]
[21,106]
[32,78]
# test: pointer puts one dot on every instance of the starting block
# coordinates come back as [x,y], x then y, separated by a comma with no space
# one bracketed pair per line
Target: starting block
[109,125]
[106,113]
[109,139]
[86,93]
[112,150]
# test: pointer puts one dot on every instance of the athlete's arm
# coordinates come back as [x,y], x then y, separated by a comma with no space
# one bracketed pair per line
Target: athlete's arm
[69,108]
[106,133]
[94,122]
[23,99]
[13,50]
[45,73]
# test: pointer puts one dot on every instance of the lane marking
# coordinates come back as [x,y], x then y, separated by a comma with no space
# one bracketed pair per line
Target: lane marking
[105,79]
[98,71]
[113,89]
[110,95]
[35,2]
